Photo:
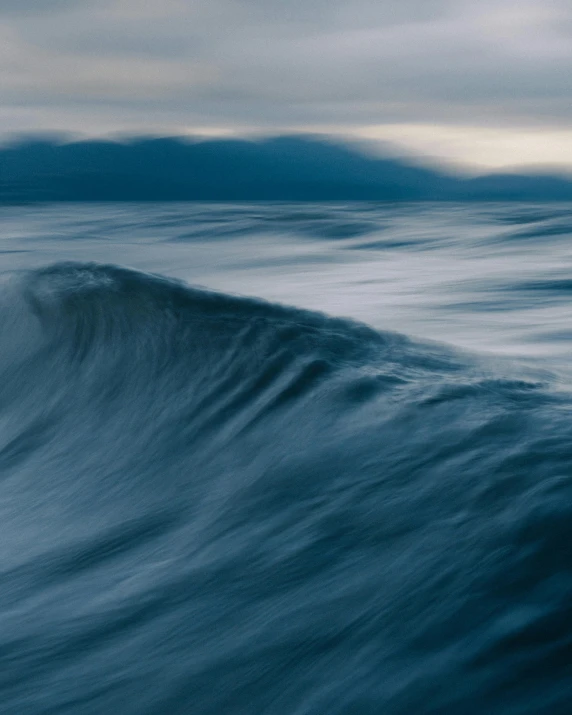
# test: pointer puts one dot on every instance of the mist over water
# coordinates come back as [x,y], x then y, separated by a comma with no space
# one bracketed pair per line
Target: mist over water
[215,499]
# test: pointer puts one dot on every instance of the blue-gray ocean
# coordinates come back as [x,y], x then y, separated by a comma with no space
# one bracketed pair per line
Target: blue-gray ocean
[286,459]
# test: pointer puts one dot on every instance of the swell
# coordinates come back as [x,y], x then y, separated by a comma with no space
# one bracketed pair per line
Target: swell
[212,504]
[128,334]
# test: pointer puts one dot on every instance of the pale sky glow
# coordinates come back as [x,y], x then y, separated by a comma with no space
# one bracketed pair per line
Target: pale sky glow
[487,83]
[482,147]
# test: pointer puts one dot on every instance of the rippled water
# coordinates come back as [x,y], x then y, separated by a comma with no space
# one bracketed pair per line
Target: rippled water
[216,504]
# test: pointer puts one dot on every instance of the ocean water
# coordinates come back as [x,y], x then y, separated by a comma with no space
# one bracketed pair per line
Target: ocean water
[286,459]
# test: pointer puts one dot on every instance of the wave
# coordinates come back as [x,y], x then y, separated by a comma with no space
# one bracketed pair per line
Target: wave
[213,504]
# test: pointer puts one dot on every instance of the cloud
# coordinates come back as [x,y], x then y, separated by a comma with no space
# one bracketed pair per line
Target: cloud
[269,63]
[37,74]
[26,8]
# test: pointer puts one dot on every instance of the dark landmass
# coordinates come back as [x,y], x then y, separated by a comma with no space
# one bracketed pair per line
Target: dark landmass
[278,169]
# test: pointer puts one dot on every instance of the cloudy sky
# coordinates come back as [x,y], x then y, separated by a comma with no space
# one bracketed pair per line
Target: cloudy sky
[487,82]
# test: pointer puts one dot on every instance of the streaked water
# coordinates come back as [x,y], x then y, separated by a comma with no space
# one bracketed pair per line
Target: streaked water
[216,504]
[488,277]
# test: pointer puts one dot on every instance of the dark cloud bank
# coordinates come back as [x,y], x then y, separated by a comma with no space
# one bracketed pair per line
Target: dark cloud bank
[280,168]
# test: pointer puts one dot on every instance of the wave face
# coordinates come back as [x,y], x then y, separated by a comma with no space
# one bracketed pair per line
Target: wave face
[219,505]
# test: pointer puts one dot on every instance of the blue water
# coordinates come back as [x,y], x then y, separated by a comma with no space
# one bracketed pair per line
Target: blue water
[218,497]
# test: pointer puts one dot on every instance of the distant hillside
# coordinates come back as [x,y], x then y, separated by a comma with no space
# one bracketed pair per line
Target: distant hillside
[282,168]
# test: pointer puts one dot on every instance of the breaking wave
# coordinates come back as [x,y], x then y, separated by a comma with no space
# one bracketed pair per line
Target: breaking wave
[213,504]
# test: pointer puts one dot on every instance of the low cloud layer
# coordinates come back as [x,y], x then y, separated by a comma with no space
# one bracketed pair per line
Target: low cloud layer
[238,65]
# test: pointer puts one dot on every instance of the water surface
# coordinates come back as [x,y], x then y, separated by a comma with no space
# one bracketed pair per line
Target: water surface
[212,503]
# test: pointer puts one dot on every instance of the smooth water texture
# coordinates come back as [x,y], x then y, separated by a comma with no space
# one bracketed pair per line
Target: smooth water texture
[212,503]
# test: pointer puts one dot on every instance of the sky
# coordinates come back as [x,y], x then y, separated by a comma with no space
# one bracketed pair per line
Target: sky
[486,83]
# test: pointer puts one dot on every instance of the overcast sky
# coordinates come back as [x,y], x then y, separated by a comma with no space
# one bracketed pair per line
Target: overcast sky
[481,81]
